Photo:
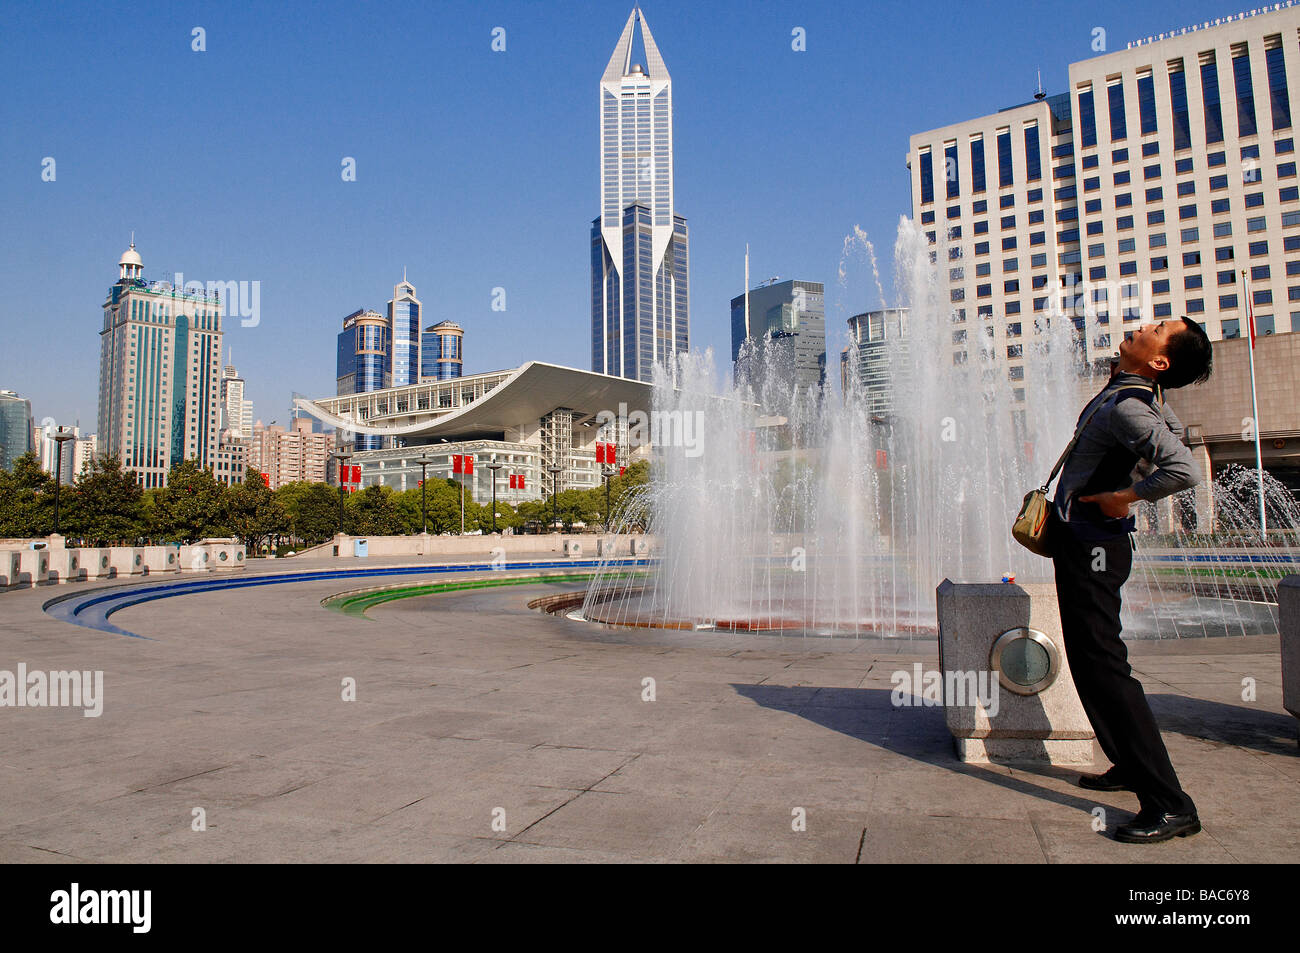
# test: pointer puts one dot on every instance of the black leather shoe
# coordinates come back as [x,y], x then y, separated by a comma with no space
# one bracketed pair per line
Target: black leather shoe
[1110,781]
[1154,828]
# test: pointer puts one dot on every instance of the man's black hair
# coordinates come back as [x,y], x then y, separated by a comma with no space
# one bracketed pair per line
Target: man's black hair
[1191,358]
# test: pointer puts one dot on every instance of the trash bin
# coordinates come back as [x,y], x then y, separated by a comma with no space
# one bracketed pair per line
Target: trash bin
[359,548]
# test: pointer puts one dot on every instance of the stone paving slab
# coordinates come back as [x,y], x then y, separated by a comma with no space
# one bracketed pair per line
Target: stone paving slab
[468,702]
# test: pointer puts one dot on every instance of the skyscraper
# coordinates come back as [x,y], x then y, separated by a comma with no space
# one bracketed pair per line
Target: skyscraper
[15,428]
[787,330]
[237,412]
[639,246]
[363,361]
[159,352]
[442,352]
[1150,189]
[403,336]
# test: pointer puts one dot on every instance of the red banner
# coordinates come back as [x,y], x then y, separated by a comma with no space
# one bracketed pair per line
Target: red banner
[469,463]
[266,478]
[600,452]
[456,459]
[882,460]
[521,481]
[622,470]
[512,481]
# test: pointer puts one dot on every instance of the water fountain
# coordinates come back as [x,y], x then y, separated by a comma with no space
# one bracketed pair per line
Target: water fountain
[803,512]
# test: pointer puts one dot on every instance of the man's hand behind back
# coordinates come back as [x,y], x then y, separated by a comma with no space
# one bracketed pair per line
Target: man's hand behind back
[1115,505]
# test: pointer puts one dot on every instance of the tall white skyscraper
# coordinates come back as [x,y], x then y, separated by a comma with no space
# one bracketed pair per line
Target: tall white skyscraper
[237,411]
[639,246]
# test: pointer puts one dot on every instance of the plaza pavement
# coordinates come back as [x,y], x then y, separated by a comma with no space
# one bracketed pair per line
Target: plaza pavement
[471,702]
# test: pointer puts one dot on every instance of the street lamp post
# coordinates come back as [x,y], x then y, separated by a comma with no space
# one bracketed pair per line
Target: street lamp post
[555,470]
[61,436]
[425,462]
[494,467]
[607,471]
[341,457]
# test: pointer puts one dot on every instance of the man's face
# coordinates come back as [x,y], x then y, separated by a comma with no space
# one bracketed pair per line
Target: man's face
[1148,343]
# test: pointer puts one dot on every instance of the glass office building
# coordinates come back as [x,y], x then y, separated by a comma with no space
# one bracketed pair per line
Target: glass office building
[404,314]
[15,428]
[639,245]
[363,361]
[442,355]
[788,316]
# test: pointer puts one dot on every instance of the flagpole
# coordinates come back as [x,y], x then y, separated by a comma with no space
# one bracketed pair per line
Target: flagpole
[1254,408]
[746,291]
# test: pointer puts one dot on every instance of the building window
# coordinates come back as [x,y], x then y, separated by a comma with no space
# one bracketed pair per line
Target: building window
[1210,99]
[950,171]
[1245,93]
[927,178]
[1178,101]
[977,165]
[1087,119]
[1115,95]
[1157,240]
[1277,90]
[1033,155]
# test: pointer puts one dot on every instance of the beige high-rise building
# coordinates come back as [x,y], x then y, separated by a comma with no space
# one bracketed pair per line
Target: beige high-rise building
[160,350]
[289,456]
[1145,191]
[236,409]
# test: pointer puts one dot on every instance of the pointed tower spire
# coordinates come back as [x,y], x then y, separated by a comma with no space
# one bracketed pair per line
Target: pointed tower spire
[620,63]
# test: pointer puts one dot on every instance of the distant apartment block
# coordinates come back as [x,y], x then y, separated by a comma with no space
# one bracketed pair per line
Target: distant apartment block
[290,455]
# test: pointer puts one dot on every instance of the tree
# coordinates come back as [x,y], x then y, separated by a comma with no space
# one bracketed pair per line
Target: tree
[253,513]
[106,505]
[190,507]
[374,512]
[26,499]
[312,510]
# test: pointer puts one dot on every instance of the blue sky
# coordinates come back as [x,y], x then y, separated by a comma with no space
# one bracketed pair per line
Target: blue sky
[475,169]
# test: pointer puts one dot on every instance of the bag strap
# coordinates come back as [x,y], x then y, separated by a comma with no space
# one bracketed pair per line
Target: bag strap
[1154,389]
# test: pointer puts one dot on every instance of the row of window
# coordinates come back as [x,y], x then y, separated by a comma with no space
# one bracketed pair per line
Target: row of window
[1243,87]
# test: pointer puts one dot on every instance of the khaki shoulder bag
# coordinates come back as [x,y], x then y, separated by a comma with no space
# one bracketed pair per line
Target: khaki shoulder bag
[1030,527]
